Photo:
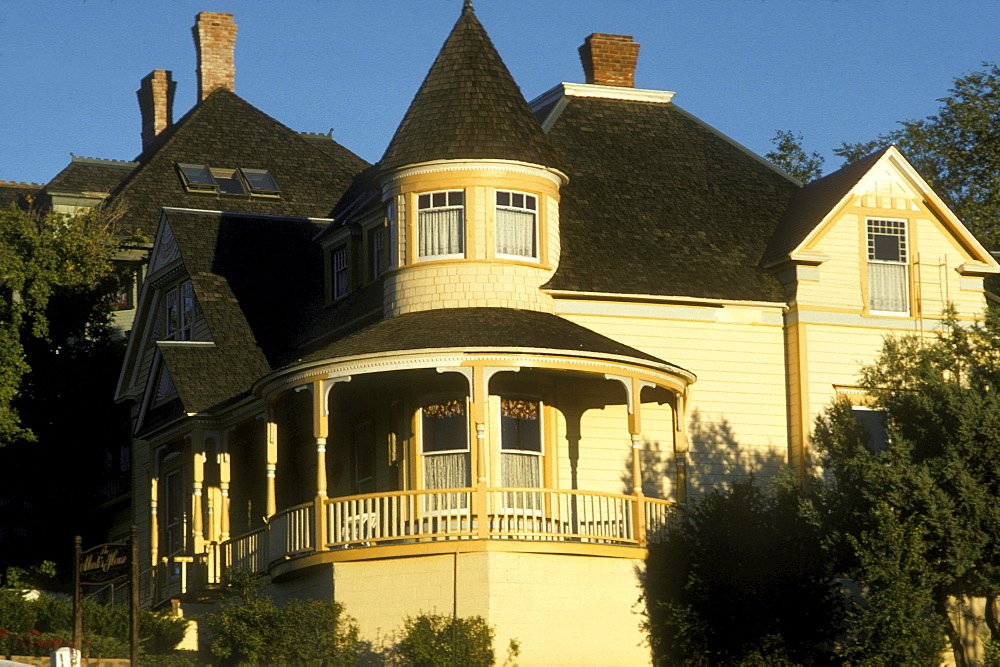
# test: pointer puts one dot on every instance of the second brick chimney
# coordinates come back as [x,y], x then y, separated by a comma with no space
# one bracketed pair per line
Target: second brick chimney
[609,60]
[215,41]
[156,104]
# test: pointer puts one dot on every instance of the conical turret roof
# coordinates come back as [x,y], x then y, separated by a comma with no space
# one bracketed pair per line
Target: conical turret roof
[468,107]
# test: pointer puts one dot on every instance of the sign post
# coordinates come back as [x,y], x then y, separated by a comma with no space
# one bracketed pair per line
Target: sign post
[133,543]
[105,564]
[77,600]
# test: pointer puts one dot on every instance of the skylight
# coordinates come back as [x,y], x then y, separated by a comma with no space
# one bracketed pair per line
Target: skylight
[228,181]
[260,181]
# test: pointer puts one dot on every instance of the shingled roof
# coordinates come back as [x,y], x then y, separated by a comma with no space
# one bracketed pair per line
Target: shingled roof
[468,107]
[659,203]
[258,278]
[812,203]
[475,328]
[18,195]
[91,175]
[226,131]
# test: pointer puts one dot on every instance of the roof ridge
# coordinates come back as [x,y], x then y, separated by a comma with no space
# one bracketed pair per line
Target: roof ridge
[102,162]
[20,184]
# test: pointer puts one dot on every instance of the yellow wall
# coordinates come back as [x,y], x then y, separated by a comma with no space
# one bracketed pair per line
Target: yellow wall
[546,602]
[831,332]
[479,278]
[736,413]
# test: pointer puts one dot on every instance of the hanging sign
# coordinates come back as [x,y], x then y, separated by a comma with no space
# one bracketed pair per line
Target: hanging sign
[104,563]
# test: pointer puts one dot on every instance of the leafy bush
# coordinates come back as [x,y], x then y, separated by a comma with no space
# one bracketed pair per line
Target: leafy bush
[430,640]
[249,629]
[39,625]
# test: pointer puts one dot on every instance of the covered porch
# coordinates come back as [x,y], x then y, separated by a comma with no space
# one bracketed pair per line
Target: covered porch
[419,452]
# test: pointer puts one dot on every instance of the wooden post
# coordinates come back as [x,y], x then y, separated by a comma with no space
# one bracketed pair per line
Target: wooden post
[77,598]
[197,486]
[134,595]
[271,463]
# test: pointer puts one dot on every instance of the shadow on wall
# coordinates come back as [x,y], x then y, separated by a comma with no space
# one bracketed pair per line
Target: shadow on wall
[715,457]
[658,470]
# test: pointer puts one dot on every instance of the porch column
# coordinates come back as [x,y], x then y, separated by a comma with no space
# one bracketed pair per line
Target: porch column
[680,444]
[634,429]
[633,401]
[197,482]
[478,398]
[154,521]
[225,476]
[321,431]
[271,461]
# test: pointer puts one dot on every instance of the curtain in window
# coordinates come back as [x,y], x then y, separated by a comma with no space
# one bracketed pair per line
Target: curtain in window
[515,233]
[441,232]
[521,470]
[887,287]
[446,471]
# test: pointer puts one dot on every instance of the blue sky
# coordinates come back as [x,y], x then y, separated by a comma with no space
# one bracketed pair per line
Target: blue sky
[831,70]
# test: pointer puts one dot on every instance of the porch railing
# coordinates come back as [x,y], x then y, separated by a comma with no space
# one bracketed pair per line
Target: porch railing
[414,517]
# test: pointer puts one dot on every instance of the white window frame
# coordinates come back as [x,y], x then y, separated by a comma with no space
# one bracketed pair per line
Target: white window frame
[424,212]
[523,209]
[872,263]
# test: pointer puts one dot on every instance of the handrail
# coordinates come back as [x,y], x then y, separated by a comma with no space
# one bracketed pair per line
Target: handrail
[432,515]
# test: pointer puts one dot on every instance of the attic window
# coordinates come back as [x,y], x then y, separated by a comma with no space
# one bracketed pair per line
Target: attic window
[228,181]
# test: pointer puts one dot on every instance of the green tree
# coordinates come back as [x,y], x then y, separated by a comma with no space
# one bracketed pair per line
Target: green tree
[789,156]
[926,503]
[742,578]
[43,259]
[957,150]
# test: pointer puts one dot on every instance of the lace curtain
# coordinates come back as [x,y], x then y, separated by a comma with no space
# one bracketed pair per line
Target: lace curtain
[887,287]
[515,233]
[441,232]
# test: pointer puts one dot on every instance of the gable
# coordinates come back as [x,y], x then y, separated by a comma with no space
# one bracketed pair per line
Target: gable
[887,219]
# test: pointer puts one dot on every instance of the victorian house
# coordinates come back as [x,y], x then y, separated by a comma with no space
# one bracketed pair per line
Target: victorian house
[474,377]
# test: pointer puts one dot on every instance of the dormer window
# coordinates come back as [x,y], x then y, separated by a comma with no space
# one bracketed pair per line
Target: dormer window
[339,273]
[228,180]
[441,224]
[516,231]
[180,312]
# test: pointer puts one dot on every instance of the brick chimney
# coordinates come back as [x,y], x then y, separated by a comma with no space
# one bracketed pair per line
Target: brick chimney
[215,41]
[609,60]
[156,104]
